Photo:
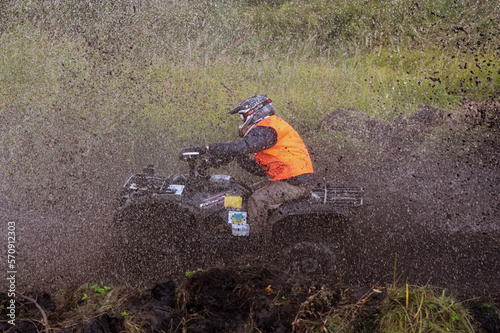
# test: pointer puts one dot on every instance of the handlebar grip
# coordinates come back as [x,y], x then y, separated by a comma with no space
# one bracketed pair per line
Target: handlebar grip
[186,153]
[194,151]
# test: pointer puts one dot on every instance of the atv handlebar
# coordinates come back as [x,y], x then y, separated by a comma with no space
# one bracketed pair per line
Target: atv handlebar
[200,160]
[187,153]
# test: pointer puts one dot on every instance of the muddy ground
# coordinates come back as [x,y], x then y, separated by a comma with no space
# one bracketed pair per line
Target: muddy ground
[431,213]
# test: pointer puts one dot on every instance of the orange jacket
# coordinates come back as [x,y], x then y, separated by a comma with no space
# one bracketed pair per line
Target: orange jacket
[288,157]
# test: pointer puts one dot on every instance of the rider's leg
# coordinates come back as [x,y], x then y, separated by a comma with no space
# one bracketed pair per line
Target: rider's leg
[269,197]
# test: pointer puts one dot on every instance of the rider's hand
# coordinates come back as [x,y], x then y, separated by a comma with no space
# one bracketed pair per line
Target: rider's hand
[201,149]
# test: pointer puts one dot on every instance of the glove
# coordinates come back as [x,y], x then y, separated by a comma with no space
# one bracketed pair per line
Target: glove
[200,149]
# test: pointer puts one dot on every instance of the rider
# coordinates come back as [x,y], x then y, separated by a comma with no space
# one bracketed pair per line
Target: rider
[278,152]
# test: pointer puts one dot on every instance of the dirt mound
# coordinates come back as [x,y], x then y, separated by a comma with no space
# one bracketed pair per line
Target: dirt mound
[239,300]
[413,128]
[476,114]
[400,133]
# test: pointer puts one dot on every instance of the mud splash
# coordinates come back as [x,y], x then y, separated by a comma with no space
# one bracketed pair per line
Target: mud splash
[431,211]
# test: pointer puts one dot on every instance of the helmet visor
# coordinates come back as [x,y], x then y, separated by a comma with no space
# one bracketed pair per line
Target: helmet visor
[244,114]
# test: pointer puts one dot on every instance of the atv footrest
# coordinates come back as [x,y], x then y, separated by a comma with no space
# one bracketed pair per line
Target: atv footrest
[307,207]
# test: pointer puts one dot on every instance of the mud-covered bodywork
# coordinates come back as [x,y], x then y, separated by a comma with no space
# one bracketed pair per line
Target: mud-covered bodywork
[203,199]
[194,214]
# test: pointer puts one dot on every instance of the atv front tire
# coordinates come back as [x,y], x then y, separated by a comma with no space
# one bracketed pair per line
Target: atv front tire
[153,240]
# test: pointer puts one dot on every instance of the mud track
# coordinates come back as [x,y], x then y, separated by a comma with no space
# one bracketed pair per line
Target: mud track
[430,212]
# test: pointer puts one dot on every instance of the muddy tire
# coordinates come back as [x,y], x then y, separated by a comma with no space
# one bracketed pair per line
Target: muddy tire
[312,259]
[153,241]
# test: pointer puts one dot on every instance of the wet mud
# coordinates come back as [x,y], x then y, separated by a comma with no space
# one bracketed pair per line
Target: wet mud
[431,216]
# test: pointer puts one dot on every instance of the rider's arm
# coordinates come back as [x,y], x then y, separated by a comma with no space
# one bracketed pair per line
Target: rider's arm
[258,139]
[249,164]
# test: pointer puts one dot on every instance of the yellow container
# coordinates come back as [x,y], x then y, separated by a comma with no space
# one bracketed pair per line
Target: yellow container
[233,201]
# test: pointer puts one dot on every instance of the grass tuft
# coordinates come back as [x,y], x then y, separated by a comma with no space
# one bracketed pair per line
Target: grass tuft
[423,309]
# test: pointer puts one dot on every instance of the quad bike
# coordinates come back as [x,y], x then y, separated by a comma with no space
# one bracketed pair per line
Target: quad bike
[166,222]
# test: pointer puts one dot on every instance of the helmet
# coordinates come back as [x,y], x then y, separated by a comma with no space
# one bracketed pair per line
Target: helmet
[251,111]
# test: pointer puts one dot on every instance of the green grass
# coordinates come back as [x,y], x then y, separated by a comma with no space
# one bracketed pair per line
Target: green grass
[79,305]
[423,309]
